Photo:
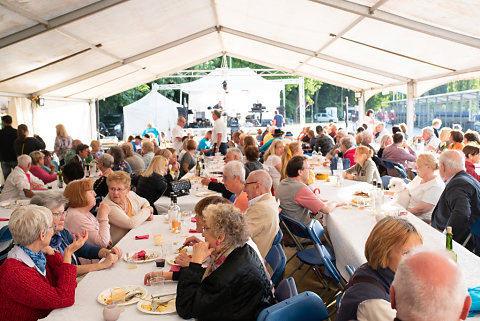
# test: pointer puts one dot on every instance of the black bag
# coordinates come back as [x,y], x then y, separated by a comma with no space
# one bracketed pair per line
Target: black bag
[180,187]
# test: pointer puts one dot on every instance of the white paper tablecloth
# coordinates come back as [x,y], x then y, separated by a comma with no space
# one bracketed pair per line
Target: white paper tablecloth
[349,229]
[86,306]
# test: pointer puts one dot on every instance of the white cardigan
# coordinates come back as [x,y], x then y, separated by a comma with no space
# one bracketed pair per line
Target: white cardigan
[120,223]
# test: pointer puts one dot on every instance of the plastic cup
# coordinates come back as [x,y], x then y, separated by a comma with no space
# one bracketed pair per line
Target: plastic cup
[157,282]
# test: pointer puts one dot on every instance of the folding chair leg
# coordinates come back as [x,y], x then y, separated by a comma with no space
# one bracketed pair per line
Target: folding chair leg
[298,268]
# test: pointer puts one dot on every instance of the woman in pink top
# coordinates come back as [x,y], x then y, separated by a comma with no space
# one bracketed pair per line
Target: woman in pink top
[472,156]
[81,198]
[38,159]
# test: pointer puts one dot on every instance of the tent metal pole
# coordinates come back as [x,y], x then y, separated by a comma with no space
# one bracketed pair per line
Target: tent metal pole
[411,93]
[301,98]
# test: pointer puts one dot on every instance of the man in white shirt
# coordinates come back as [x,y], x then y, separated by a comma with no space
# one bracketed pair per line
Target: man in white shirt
[20,182]
[219,135]
[428,285]
[178,133]
[262,212]
[380,131]
[430,140]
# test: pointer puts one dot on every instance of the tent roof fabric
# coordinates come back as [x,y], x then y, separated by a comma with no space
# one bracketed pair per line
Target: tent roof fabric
[93,49]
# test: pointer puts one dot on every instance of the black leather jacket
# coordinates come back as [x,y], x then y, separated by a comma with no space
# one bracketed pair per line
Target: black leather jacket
[238,290]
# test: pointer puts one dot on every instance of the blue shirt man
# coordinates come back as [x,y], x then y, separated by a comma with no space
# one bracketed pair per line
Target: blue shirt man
[205,144]
[278,120]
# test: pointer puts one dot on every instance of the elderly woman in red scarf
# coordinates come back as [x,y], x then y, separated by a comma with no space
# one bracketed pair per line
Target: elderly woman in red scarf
[235,285]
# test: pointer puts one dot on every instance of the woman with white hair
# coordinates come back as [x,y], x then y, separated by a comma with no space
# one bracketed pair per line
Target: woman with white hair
[61,238]
[234,181]
[35,279]
[20,183]
[234,285]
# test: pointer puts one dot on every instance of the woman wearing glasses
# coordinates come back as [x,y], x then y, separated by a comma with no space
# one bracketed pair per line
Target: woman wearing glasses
[127,209]
[81,199]
[35,279]
[61,238]
[234,285]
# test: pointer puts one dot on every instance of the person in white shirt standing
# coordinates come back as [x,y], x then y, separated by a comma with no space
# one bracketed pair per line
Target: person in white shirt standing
[219,135]
[178,133]
[21,182]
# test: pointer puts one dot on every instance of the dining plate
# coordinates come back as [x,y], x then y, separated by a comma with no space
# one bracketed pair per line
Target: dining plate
[150,256]
[171,259]
[145,305]
[203,194]
[105,297]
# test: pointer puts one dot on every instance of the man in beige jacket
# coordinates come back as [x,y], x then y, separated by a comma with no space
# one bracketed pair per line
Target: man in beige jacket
[262,212]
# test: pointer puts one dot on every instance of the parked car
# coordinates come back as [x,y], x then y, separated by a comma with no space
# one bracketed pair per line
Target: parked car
[324,118]
[113,124]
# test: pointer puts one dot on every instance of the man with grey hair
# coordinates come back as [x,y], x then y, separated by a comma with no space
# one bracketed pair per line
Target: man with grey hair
[234,181]
[430,141]
[178,133]
[380,131]
[459,204]
[429,286]
[21,182]
[233,154]
[436,124]
[336,148]
[262,212]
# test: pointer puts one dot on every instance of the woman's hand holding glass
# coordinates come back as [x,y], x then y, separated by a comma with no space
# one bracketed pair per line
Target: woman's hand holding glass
[148,277]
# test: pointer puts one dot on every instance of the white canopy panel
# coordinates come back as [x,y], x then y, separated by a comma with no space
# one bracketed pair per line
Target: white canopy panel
[93,49]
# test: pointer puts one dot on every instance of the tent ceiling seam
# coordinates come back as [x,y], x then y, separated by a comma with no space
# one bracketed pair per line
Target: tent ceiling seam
[24,13]
[46,65]
[400,21]
[126,61]
[346,75]
[311,53]
[59,21]
[217,24]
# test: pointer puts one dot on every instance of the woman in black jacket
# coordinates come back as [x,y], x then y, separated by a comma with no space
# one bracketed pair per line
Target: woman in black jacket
[152,184]
[24,144]
[234,286]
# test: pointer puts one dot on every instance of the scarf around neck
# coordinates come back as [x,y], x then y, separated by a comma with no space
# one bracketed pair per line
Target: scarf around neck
[218,260]
[38,258]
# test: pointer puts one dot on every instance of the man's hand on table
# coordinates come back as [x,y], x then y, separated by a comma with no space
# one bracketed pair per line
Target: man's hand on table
[206,181]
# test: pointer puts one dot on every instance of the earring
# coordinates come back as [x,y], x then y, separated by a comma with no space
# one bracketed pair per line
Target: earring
[216,243]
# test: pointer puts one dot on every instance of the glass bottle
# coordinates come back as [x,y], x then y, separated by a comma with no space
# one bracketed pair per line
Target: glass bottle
[171,210]
[449,243]
[176,217]
[339,171]
[373,197]
[60,178]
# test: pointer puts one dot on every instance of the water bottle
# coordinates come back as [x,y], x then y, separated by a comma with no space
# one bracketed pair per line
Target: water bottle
[339,171]
[171,210]
[373,196]
[379,197]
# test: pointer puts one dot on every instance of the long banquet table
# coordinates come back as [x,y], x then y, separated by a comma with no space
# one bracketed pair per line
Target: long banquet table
[86,306]
[349,228]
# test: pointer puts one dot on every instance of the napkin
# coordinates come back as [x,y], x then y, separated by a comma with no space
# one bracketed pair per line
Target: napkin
[475,295]
[194,220]
[192,231]
[142,237]
[3,219]
[213,179]
[175,268]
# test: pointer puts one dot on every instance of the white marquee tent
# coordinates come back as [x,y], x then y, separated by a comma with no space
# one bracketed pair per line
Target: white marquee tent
[153,108]
[244,88]
[83,50]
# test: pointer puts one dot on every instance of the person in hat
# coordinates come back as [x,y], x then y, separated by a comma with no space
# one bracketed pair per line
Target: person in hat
[277,134]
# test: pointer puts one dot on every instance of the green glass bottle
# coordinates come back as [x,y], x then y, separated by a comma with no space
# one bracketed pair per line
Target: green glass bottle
[450,243]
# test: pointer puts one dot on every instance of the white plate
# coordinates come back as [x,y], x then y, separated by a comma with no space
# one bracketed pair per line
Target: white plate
[170,308]
[105,295]
[149,252]
[203,194]
[171,259]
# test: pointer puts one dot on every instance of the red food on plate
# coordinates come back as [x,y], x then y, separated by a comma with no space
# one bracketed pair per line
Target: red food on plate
[141,255]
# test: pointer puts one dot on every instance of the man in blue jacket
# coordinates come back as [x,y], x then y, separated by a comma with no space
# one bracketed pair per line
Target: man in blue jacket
[459,204]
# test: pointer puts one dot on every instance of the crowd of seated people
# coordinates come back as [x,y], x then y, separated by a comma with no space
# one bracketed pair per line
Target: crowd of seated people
[262,176]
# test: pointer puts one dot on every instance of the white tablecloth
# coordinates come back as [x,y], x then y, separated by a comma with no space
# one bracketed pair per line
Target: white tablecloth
[87,308]
[349,229]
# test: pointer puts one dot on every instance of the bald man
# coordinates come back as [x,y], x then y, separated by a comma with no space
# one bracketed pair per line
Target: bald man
[429,286]
[262,212]
[459,204]
[178,133]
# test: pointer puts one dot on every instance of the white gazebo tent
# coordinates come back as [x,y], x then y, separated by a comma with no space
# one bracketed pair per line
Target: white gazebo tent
[153,108]
[85,50]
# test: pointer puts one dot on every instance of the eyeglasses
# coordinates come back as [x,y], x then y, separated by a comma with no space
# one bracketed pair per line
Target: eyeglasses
[113,190]
[248,183]
[205,228]
[59,214]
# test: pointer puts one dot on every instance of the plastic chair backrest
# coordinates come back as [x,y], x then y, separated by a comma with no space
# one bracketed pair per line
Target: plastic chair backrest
[475,231]
[398,167]
[277,260]
[334,161]
[286,289]
[315,230]
[278,238]
[306,306]
[350,270]
[232,198]
[296,227]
